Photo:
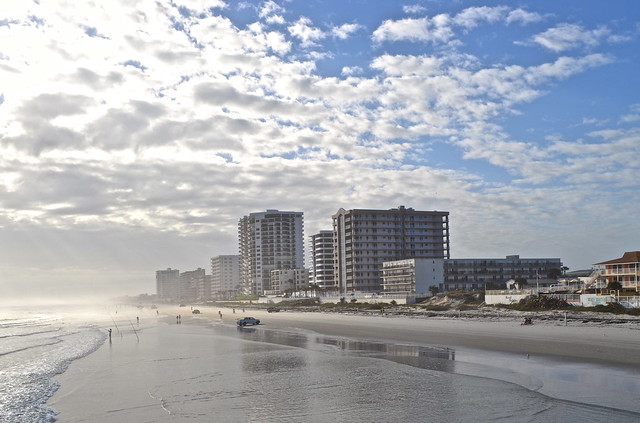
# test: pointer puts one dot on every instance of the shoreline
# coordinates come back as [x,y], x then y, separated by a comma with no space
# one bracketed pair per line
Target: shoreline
[572,363]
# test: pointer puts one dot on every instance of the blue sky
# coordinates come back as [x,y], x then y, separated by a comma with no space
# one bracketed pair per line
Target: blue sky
[134,135]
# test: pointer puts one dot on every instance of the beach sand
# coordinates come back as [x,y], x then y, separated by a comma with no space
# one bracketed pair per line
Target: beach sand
[574,362]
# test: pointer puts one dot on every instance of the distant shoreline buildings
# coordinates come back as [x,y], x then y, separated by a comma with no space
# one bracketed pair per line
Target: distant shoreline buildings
[398,250]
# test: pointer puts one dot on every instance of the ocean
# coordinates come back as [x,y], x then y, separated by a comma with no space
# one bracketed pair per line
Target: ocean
[160,371]
[35,347]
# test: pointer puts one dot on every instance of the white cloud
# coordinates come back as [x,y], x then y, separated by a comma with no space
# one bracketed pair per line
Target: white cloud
[413,9]
[271,13]
[630,118]
[441,28]
[344,31]
[351,70]
[436,29]
[570,36]
[201,6]
[304,30]
[270,8]
[523,16]
[473,16]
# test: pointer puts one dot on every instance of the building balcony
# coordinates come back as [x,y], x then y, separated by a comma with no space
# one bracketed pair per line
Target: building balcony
[630,271]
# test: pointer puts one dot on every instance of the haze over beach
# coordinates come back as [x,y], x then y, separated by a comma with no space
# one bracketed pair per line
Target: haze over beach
[134,135]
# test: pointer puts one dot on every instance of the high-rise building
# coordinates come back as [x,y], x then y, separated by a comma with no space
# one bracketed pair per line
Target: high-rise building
[193,285]
[363,239]
[168,284]
[322,260]
[225,276]
[269,241]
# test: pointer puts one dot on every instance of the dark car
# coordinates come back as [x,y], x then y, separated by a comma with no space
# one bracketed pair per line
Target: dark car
[273,309]
[195,311]
[247,321]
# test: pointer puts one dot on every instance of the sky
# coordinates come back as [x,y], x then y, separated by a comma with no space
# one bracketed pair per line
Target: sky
[135,134]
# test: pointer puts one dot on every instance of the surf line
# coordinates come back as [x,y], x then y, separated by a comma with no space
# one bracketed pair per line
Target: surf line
[162,402]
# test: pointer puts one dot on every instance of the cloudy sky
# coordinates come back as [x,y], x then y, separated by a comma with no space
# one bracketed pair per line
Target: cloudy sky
[135,134]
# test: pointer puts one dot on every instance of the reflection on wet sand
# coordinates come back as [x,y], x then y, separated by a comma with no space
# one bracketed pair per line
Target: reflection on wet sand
[432,358]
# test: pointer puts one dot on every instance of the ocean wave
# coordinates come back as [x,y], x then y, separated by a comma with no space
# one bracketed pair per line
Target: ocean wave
[33,360]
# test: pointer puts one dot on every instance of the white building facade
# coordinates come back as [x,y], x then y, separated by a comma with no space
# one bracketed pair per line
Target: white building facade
[225,276]
[412,276]
[270,240]
[322,260]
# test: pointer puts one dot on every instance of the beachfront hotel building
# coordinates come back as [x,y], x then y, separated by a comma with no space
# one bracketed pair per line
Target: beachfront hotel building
[270,240]
[225,276]
[322,260]
[475,273]
[625,270]
[364,239]
[168,283]
[412,276]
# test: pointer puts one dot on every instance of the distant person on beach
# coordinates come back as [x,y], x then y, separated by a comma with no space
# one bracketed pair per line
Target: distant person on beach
[220,314]
[234,311]
[138,319]
[109,334]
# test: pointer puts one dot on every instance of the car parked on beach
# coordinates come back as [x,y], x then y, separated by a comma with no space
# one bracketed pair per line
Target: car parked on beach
[273,309]
[195,311]
[247,321]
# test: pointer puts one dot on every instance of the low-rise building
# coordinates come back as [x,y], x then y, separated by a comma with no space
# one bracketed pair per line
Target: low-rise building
[288,280]
[625,270]
[412,276]
[475,274]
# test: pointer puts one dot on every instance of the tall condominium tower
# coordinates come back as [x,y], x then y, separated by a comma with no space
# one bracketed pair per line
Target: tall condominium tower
[225,276]
[322,260]
[194,285]
[168,283]
[270,240]
[364,239]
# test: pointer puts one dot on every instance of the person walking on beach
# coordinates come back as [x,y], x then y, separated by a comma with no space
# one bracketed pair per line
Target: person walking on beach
[220,314]
[138,319]
[109,334]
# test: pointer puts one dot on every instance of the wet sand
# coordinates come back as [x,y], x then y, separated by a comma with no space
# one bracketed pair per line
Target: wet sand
[609,344]
[569,362]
